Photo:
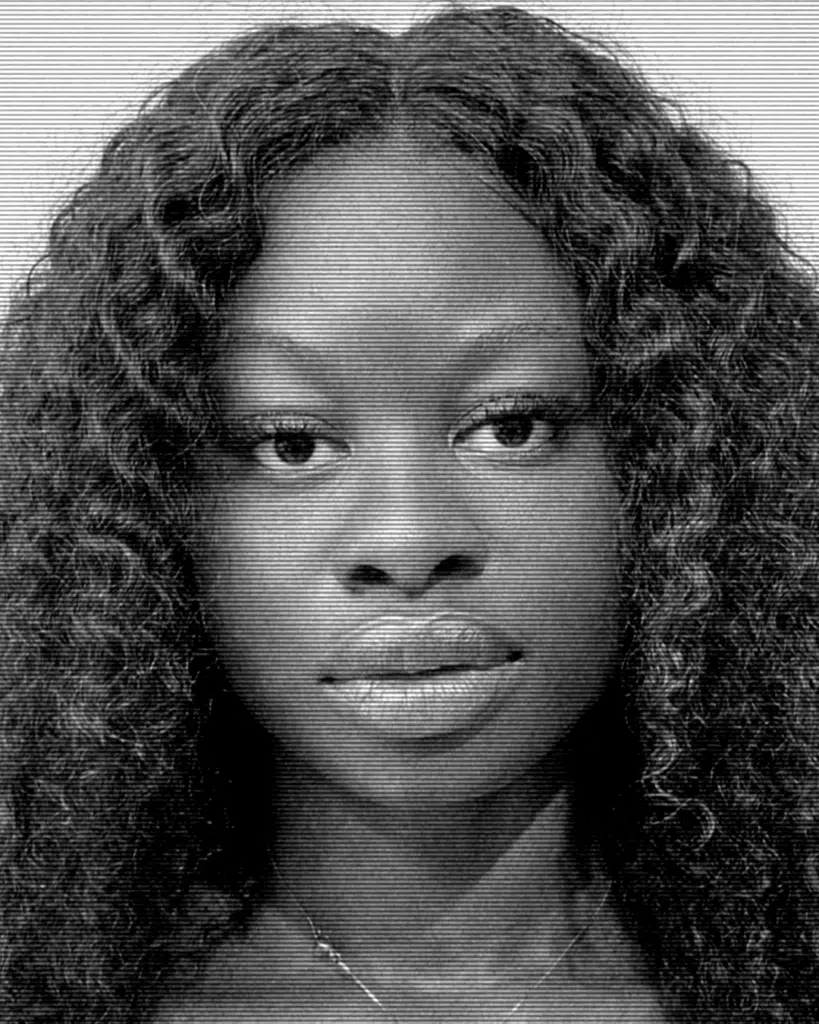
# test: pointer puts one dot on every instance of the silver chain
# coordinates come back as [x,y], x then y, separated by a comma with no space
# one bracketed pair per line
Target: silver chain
[324,948]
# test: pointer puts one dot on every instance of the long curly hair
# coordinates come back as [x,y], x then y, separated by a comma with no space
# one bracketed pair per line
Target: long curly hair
[125,844]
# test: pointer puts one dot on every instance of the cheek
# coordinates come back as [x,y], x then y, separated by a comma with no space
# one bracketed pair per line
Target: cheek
[249,542]
[556,534]
[254,566]
[250,581]
[261,621]
[556,555]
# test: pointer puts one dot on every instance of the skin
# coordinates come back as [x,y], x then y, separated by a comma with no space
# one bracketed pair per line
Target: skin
[398,289]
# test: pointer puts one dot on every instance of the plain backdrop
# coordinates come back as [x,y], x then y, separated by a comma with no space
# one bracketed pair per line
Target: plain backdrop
[71,73]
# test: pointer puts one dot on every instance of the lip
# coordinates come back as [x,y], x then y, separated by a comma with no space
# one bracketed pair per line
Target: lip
[411,677]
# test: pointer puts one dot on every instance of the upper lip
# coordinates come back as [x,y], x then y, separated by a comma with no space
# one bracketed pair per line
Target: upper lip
[401,645]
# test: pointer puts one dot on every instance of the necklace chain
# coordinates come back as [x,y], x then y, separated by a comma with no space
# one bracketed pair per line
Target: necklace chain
[324,948]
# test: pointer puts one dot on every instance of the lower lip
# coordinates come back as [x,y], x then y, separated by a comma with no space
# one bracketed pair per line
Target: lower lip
[435,705]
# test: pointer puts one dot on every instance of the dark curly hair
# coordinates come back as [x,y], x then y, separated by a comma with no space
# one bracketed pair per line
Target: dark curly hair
[124,836]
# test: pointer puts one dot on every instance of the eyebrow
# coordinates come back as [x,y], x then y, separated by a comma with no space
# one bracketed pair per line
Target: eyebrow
[477,344]
[495,338]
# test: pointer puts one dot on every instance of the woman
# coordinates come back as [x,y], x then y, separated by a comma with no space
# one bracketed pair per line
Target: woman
[410,548]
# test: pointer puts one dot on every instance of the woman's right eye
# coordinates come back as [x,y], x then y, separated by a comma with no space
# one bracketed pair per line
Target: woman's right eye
[292,445]
[293,451]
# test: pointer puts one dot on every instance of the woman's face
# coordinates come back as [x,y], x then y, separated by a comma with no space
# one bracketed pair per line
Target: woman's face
[410,563]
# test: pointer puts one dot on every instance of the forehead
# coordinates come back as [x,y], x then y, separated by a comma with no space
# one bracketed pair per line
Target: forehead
[390,247]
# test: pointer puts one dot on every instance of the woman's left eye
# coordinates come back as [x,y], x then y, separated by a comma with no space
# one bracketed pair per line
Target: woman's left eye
[516,430]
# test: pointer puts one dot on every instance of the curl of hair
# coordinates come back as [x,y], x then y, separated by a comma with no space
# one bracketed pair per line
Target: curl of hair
[704,334]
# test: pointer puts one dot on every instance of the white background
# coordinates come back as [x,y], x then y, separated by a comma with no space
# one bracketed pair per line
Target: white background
[70,73]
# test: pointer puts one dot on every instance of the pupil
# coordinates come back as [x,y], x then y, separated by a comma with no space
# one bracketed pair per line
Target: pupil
[294,449]
[512,431]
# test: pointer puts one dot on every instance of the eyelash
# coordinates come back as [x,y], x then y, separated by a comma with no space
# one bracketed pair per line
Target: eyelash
[245,436]
[557,411]
[265,427]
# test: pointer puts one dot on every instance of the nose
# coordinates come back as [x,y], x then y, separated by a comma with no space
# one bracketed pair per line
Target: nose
[409,531]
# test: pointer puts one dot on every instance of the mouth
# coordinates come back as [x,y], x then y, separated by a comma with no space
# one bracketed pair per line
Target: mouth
[415,677]
[424,673]
[400,646]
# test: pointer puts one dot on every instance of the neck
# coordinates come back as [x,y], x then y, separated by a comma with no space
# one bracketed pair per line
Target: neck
[454,894]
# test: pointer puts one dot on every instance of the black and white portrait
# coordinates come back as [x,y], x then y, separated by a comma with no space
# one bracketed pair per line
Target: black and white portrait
[409,513]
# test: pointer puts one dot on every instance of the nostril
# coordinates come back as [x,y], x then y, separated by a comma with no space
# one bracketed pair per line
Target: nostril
[456,565]
[367,575]
[409,574]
